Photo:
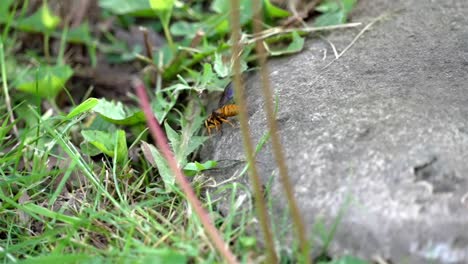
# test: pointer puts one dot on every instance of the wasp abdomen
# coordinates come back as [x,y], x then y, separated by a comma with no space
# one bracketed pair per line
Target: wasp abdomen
[228,110]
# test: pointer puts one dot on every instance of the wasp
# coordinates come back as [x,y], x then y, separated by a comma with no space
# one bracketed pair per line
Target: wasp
[224,111]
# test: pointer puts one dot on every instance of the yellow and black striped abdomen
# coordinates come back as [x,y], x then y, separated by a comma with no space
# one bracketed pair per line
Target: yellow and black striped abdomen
[228,110]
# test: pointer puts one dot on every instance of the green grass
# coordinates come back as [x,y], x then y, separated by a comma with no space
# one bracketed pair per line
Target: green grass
[110,213]
[81,184]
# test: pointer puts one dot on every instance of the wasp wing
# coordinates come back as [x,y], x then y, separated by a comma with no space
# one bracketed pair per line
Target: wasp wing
[227,96]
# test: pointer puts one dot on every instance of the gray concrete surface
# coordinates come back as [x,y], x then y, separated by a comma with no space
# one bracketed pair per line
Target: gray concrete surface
[385,126]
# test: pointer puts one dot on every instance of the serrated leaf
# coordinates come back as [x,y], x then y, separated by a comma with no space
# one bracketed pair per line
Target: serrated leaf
[194,144]
[221,68]
[163,102]
[296,45]
[84,107]
[45,81]
[117,113]
[155,158]
[172,136]
[224,69]
[43,21]
[208,74]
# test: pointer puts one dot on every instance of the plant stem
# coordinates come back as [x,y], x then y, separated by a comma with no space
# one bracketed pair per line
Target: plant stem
[5,89]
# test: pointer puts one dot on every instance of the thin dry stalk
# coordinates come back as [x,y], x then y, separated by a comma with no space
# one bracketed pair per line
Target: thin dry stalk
[275,139]
[243,119]
[148,46]
[251,38]
[163,146]
[5,90]
[366,28]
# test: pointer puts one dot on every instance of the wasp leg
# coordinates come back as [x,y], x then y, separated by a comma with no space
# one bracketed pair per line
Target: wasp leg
[208,127]
[227,121]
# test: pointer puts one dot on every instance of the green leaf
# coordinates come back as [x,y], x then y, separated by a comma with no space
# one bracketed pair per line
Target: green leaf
[111,144]
[248,241]
[125,7]
[42,21]
[84,107]
[209,81]
[224,69]
[334,12]
[163,102]
[346,260]
[273,11]
[224,7]
[80,35]
[161,5]
[117,113]
[328,7]
[246,11]
[155,158]
[164,10]
[172,136]
[45,81]
[216,24]
[220,6]
[208,75]
[329,19]
[296,45]
[121,151]
[184,29]
[103,141]
[348,5]
[182,146]
[5,10]
[193,168]
[166,53]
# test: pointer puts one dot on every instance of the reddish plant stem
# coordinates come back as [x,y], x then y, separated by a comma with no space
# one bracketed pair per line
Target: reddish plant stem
[163,146]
